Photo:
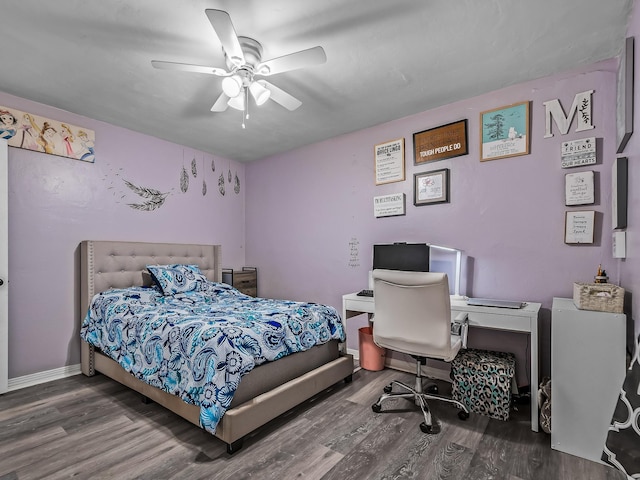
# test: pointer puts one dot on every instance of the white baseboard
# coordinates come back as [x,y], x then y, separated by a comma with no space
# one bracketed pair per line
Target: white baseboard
[42,377]
[355,352]
[408,366]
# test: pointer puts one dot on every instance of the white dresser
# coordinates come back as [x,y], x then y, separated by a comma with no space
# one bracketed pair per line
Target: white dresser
[588,366]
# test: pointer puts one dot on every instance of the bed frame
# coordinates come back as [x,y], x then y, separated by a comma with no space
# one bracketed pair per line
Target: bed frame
[264,393]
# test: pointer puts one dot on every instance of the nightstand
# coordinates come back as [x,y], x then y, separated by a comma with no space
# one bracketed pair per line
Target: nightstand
[245,280]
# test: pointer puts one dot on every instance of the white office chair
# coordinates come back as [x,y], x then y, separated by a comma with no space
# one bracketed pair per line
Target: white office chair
[413,316]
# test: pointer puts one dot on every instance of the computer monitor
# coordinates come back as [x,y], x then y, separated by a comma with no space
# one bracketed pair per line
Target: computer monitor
[420,257]
[411,257]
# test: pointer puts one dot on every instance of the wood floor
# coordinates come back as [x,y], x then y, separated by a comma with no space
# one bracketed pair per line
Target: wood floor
[94,428]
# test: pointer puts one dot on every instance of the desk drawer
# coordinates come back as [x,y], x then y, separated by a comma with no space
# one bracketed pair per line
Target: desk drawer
[501,322]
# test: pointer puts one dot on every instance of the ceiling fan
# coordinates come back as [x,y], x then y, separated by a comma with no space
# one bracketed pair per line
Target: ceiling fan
[244,66]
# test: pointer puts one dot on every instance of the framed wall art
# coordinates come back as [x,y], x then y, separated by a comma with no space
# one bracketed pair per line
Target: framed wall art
[624,104]
[41,134]
[391,205]
[446,141]
[431,187]
[578,226]
[389,161]
[619,185]
[579,188]
[504,132]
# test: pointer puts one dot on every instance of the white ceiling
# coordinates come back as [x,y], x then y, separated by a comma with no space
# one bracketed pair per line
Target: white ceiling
[385,60]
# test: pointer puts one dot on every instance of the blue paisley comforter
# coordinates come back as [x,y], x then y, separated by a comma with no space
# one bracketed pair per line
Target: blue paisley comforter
[197,345]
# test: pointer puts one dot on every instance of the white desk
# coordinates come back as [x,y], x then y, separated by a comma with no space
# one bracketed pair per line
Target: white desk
[523,320]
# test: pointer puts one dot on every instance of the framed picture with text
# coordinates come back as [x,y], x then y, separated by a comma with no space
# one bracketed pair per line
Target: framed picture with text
[579,188]
[578,227]
[446,141]
[504,132]
[431,187]
[389,161]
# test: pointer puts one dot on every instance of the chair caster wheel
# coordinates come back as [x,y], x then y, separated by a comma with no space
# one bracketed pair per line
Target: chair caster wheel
[432,429]
[387,389]
[462,415]
[377,408]
[433,389]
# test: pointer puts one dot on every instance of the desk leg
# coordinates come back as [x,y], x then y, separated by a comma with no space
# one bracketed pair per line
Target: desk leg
[534,375]
[346,314]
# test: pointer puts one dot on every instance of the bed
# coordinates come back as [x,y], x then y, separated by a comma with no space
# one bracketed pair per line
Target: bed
[265,392]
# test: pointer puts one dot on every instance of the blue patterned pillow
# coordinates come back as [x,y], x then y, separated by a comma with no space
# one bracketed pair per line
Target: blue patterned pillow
[177,278]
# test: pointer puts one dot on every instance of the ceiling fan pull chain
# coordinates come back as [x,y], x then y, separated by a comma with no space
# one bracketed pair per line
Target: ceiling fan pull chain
[246,102]
[244,109]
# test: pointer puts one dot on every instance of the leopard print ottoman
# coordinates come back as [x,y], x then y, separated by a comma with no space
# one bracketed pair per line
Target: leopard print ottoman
[482,381]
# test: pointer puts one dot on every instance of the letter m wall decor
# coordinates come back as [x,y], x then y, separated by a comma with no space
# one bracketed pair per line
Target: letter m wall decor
[581,105]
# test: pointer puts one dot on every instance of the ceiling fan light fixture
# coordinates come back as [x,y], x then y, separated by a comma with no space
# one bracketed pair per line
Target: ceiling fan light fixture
[232,86]
[237,102]
[259,92]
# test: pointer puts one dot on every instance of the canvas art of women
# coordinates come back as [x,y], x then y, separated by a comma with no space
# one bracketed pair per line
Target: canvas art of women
[47,133]
[7,124]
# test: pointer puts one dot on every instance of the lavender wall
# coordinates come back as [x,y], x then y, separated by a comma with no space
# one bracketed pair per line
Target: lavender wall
[307,207]
[55,203]
[630,267]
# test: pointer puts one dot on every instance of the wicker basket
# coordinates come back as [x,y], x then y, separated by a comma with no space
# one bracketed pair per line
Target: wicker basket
[601,297]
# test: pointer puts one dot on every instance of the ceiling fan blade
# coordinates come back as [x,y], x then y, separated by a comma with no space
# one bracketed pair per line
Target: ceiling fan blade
[221,103]
[292,61]
[185,67]
[280,96]
[222,25]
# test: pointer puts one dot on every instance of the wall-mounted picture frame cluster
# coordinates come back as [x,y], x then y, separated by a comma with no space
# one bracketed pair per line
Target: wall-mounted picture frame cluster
[504,132]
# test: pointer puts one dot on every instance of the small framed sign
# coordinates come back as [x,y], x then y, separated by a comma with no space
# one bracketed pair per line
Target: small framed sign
[389,205]
[439,143]
[579,188]
[578,153]
[579,227]
[431,187]
[389,161]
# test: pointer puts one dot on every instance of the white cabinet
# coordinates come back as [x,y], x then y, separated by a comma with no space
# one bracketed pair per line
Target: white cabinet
[588,366]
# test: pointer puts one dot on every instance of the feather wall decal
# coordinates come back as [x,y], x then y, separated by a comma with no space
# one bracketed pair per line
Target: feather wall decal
[148,206]
[194,168]
[229,175]
[221,184]
[184,180]
[204,183]
[213,165]
[154,198]
[236,184]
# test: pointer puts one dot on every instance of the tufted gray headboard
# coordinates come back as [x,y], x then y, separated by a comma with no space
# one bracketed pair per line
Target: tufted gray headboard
[112,264]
